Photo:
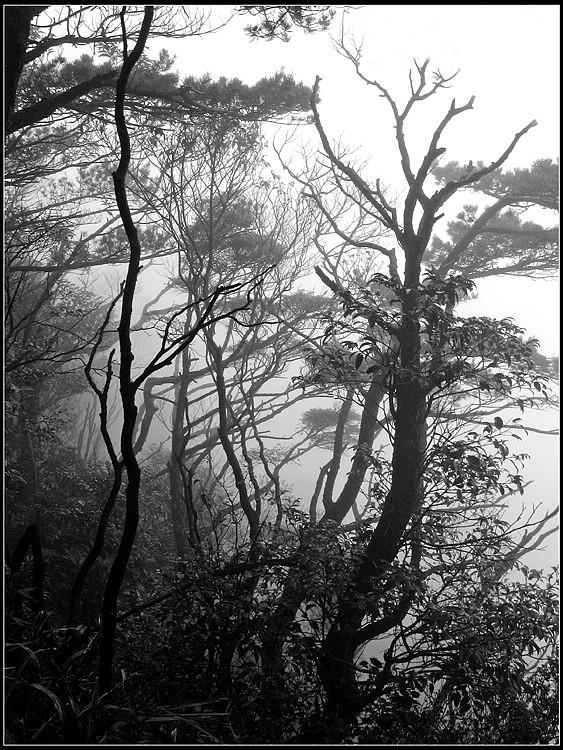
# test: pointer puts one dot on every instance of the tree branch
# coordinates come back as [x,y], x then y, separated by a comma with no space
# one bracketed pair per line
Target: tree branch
[35,113]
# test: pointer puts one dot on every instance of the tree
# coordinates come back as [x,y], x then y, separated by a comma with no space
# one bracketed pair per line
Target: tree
[62,114]
[229,221]
[479,684]
[79,87]
[276,21]
[71,223]
[127,385]
[435,356]
[18,22]
[494,242]
[171,346]
[50,325]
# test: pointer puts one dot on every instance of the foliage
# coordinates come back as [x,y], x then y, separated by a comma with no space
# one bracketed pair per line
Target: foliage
[497,684]
[276,21]
[211,627]
[495,240]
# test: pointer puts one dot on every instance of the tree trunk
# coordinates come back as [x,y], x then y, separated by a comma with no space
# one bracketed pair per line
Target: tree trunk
[17,24]
[177,506]
[97,547]
[334,465]
[368,427]
[126,385]
[336,665]
[277,629]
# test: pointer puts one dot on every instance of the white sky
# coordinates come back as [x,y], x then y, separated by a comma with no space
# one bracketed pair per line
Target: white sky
[508,57]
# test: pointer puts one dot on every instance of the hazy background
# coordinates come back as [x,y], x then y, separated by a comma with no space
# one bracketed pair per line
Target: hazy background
[508,57]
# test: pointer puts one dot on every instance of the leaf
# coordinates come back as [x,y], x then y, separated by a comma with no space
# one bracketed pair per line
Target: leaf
[58,705]
[499,423]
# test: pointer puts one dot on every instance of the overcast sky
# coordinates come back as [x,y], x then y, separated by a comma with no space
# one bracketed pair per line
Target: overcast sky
[508,57]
